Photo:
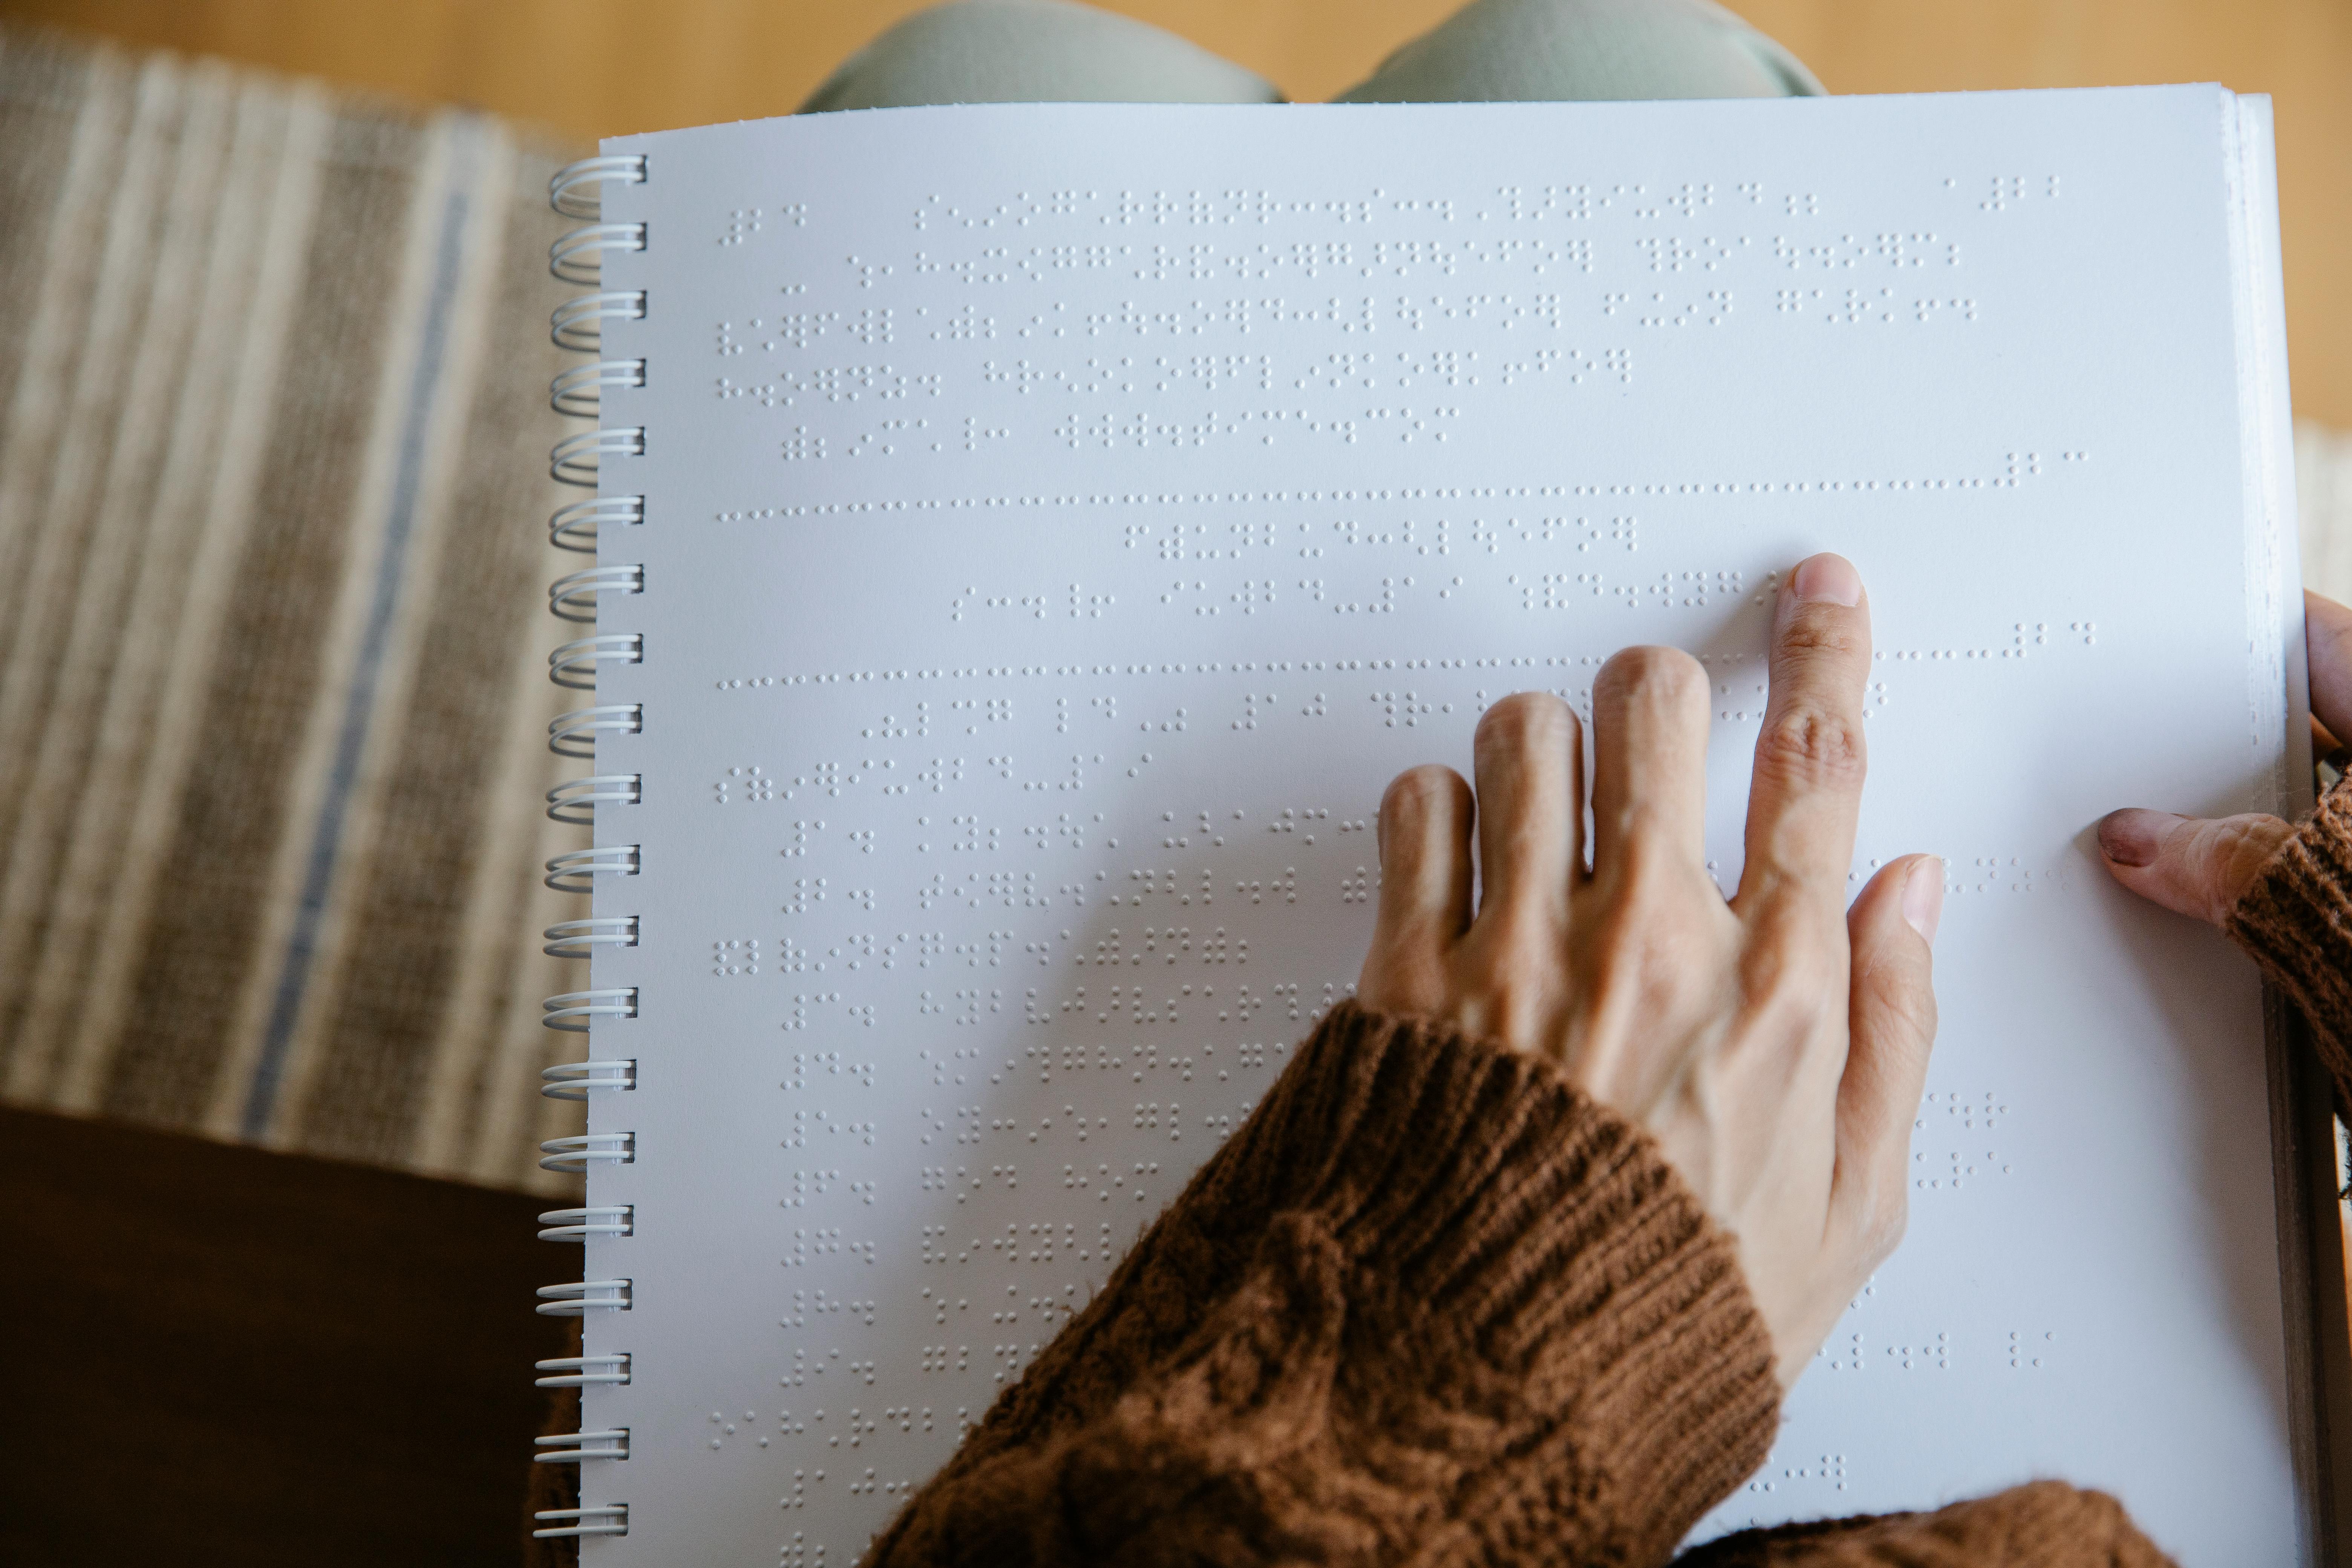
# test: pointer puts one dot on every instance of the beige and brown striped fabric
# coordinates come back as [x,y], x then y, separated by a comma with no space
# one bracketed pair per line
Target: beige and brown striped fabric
[273,693]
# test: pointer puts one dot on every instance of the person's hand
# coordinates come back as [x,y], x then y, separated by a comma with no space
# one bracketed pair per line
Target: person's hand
[1775,1046]
[2198,866]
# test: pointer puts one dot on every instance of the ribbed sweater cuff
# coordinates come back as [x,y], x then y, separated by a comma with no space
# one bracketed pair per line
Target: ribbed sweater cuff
[2296,920]
[1554,1239]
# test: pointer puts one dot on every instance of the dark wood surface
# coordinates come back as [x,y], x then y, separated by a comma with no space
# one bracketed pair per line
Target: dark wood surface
[219,1354]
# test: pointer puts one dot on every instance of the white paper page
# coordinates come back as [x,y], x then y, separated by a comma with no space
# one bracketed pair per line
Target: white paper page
[1061,523]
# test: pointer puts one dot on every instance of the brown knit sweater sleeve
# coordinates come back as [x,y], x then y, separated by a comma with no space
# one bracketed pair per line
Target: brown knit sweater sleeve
[2296,920]
[2045,1525]
[1430,1303]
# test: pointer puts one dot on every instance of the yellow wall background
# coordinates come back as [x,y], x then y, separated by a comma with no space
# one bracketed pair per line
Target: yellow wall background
[603,66]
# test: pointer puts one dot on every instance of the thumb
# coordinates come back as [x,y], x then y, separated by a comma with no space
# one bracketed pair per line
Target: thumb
[1891,1027]
[2191,865]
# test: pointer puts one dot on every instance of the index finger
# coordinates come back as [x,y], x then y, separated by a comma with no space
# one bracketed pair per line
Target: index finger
[1807,791]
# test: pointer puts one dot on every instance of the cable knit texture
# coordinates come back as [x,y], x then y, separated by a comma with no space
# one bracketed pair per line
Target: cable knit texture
[2296,920]
[2045,1525]
[1430,1304]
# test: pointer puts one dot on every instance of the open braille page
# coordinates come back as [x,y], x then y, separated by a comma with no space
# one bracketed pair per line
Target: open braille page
[1061,522]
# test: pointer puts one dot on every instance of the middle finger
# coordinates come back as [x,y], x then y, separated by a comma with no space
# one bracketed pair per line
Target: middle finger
[1649,761]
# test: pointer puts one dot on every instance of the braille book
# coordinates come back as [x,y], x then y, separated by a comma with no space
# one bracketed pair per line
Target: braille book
[1027,538]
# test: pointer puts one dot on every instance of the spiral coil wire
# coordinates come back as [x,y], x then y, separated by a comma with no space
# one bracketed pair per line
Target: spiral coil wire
[594,1518]
[575,871]
[579,1225]
[572,598]
[581,939]
[578,1080]
[576,800]
[576,189]
[577,1299]
[579,324]
[589,460]
[577,460]
[573,664]
[575,1447]
[583,1149]
[575,527]
[571,1010]
[582,1371]
[579,256]
[573,734]
[580,393]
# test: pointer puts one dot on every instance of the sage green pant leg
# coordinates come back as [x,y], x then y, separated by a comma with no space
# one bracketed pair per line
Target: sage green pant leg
[1032,51]
[1559,50]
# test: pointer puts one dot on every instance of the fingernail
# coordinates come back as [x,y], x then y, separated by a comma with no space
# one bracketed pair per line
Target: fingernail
[1923,898]
[1826,580]
[2130,837]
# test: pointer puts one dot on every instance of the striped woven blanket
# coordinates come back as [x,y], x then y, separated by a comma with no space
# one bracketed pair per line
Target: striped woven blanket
[273,677]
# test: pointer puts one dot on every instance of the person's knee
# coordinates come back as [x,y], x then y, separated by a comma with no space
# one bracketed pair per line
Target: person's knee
[1032,51]
[1553,50]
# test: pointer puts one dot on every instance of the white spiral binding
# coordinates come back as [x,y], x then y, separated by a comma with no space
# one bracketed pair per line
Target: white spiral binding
[579,324]
[579,1225]
[578,1080]
[571,1010]
[581,939]
[580,393]
[573,734]
[579,256]
[573,597]
[582,1371]
[573,664]
[575,527]
[573,189]
[583,1149]
[576,800]
[578,1298]
[575,871]
[595,1519]
[574,1447]
[584,460]
[576,458]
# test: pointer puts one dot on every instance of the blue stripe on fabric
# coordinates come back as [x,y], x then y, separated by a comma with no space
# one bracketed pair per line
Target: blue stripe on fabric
[358,701]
